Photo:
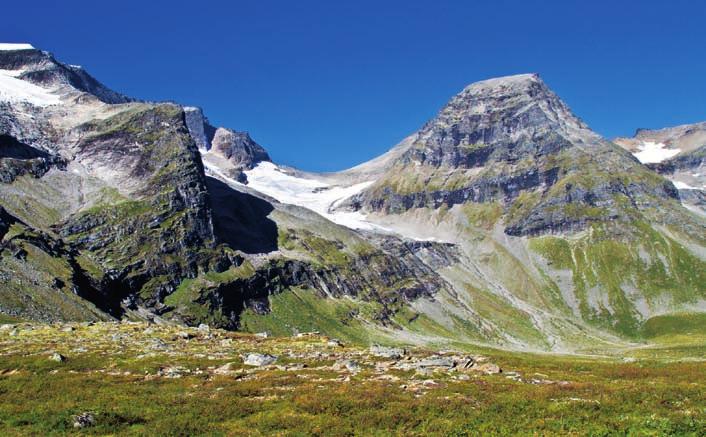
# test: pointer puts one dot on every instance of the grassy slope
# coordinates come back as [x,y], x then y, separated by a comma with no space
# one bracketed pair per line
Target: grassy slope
[300,310]
[606,270]
[116,381]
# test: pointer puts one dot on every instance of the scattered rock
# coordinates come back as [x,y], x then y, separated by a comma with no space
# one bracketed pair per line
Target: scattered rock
[172,372]
[204,328]
[259,360]
[226,369]
[335,342]
[184,335]
[428,363]
[465,363]
[57,357]
[350,365]
[430,383]
[387,352]
[487,368]
[307,334]
[262,335]
[68,329]
[7,327]
[84,420]
[158,344]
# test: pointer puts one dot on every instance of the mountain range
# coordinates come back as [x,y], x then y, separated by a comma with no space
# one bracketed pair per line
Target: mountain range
[503,221]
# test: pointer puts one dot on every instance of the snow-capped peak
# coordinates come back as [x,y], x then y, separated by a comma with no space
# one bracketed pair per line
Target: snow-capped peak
[12,46]
[15,90]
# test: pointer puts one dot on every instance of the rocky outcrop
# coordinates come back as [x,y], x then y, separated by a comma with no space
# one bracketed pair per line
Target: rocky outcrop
[238,148]
[199,128]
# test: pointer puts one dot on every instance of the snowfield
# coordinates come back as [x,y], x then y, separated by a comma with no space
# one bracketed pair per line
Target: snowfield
[650,152]
[682,186]
[14,90]
[10,46]
[318,196]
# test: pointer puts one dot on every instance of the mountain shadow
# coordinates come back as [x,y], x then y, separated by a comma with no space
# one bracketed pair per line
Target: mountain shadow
[10,147]
[240,220]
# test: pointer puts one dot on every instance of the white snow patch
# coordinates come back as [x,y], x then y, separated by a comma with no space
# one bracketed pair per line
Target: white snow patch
[312,194]
[682,186]
[10,46]
[14,90]
[650,152]
[317,196]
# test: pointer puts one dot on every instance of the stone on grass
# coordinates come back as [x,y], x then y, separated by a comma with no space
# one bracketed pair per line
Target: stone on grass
[259,360]
[349,365]
[57,357]
[225,369]
[488,368]
[84,420]
[432,363]
[387,352]
[335,342]
[184,335]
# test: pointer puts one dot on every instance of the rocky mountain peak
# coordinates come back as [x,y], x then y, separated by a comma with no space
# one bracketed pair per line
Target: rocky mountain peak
[41,68]
[506,117]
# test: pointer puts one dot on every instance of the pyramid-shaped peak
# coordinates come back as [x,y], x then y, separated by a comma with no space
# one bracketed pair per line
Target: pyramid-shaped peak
[513,81]
[519,84]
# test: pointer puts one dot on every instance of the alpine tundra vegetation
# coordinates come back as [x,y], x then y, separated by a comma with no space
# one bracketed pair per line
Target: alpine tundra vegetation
[161,275]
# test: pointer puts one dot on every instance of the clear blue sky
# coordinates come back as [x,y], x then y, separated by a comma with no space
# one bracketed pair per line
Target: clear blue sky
[324,85]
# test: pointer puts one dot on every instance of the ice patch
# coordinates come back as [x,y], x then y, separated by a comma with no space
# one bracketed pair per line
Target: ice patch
[9,46]
[312,194]
[651,152]
[683,186]
[317,196]
[14,90]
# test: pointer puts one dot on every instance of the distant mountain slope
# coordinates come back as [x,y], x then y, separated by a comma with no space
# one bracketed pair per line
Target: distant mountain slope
[678,153]
[503,221]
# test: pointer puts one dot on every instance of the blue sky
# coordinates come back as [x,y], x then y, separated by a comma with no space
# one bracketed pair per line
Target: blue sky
[324,85]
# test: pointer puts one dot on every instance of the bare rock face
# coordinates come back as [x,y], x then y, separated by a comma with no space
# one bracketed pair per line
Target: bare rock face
[199,128]
[504,119]
[238,148]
